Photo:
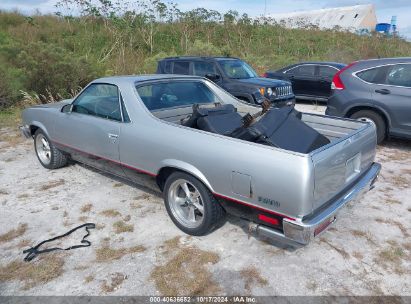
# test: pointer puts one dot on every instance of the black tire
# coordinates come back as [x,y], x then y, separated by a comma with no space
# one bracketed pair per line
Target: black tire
[378,121]
[57,159]
[213,212]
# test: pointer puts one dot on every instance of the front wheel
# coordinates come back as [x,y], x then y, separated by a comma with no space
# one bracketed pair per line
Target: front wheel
[48,155]
[190,205]
[376,119]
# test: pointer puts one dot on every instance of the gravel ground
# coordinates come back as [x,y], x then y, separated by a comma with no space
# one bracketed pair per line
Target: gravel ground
[136,249]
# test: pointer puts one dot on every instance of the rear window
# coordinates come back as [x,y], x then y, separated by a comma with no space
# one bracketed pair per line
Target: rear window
[369,75]
[163,95]
[181,67]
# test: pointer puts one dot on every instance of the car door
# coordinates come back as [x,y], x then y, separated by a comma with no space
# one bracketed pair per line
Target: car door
[91,130]
[303,79]
[394,91]
[325,77]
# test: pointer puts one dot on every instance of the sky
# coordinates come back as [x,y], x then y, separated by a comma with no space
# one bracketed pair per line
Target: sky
[385,8]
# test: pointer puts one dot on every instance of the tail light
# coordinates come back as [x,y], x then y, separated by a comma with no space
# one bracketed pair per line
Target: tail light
[270,220]
[265,75]
[337,83]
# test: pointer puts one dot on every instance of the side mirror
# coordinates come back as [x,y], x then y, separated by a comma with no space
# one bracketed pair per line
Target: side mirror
[213,77]
[67,108]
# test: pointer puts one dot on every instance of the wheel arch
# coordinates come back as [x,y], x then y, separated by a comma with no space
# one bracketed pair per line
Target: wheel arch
[35,125]
[374,108]
[169,166]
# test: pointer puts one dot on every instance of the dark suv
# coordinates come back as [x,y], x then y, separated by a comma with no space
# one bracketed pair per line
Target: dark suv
[310,80]
[376,90]
[233,75]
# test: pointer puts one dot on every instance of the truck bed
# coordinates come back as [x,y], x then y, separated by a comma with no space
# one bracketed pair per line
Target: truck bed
[333,128]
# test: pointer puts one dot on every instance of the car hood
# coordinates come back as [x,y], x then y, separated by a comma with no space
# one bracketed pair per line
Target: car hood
[54,104]
[264,82]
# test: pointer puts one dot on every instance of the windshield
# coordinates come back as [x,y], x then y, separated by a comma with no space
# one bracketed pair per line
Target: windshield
[170,94]
[237,69]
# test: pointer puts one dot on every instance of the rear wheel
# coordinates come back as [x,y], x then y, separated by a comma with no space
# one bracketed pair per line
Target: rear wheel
[48,155]
[190,205]
[376,119]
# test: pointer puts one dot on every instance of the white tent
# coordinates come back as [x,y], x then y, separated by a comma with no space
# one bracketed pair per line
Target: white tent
[351,18]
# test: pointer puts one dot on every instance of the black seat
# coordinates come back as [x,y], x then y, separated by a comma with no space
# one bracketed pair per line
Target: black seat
[284,129]
[222,119]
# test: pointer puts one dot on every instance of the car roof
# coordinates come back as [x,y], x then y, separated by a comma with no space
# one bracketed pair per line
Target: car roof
[140,78]
[332,63]
[338,65]
[387,60]
[200,58]
[371,63]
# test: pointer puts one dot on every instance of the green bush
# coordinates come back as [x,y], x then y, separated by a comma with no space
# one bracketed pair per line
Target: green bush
[50,69]
[54,55]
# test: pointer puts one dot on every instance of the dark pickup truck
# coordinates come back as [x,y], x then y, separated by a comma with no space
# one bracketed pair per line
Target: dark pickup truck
[234,75]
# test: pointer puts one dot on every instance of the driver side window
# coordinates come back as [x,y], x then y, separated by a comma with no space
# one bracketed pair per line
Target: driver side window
[101,100]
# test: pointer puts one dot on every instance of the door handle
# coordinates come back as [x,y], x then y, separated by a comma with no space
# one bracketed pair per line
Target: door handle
[112,136]
[383,91]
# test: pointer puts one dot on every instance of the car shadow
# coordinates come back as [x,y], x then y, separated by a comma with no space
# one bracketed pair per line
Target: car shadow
[118,179]
[397,143]
[243,225]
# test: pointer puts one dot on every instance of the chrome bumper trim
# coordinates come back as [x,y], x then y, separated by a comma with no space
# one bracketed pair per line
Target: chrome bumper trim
[301,232]
[25,130]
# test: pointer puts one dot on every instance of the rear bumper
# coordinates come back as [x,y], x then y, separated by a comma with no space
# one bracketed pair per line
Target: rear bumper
[301,232]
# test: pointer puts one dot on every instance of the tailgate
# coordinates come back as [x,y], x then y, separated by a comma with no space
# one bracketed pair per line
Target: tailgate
[341,164]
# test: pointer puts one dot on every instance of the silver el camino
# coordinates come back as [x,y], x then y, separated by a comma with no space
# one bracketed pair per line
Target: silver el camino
[135,127]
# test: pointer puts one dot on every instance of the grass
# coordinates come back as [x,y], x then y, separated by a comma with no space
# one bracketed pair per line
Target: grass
[121,227]
[33,273]
[11,139]
[135,205]
[110,213]
[251,277]
[52,184]
[116,280]
[392,201]
[399,225]
[107,254]
[13,233]
[400,181]
[184,272]
[88,279]
[406,171]
[62,47]
[311,285]
[83,218]
[358,255]
[10,117]
[86,208]
[24,243]
[144,196]
[391,258]
[341,251]
[363,234]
